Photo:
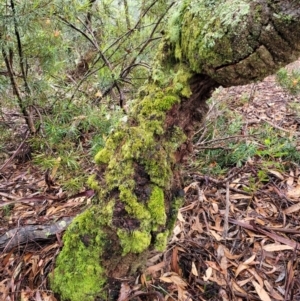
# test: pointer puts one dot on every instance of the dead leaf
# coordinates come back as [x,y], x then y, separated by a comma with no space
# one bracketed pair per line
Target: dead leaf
[230,256]
[124,291]
[98,94]
[241,268]
[292,209]
[166,279]
[250,260]
[180,217]
[277,174]
[155,268]
[237,288]
[216,235]
[290,180]
[263,295]
[194,269]
[273,293]
[239,196]
[208,274]
[294,193]
[276,247]
[173,278]
[174,261]
[257,277]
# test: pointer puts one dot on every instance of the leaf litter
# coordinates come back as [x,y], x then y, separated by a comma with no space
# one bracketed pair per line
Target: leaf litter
[236,237]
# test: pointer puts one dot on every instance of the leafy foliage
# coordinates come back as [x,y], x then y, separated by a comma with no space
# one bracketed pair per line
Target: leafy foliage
[70,69]
[290,81]
[224,144]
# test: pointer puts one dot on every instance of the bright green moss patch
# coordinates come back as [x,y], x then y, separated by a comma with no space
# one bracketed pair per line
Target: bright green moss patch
[139,139]
[93,183]
[154,125]
[119,172]
[166,102]
[161,241]
[78,275]
[156,205]
[181,77]
[107,211]
[132,205]
[103,156]
[135,242]
[158,167]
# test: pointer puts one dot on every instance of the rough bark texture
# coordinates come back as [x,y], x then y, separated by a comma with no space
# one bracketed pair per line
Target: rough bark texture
[210,43]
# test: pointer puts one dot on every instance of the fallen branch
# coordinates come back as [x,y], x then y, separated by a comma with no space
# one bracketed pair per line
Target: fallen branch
[32,233]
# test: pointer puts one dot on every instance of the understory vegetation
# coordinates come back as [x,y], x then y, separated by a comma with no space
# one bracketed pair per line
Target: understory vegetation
[230,139]
[70,73]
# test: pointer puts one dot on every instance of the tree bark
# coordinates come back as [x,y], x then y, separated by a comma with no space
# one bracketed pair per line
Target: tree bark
[210,43]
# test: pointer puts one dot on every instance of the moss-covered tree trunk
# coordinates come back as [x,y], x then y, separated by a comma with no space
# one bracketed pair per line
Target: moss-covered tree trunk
[209,43]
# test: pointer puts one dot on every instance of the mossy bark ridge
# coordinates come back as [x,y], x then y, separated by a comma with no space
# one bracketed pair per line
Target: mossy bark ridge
[138,184]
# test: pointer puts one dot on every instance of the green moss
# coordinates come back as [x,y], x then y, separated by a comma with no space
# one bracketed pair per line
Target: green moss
[159,169]
[215,25]
[139,139]
[135,242]
[156,205]
[93,183]
[165,103]
[182,77]
[106,211]
[161,241]
[103,156]
[78,275]
[132,205]
[154,124]
[158,101]
[119,172]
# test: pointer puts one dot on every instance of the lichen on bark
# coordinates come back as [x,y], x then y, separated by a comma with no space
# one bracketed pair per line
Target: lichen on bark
[236,41]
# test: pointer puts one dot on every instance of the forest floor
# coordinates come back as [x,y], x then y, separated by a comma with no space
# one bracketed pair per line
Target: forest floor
[236,236]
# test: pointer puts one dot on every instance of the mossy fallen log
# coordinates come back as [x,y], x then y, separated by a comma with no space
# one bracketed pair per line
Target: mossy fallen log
[138,184]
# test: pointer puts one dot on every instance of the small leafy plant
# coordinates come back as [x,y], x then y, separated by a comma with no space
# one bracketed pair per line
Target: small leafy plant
[290,81]
[71,135]
[223,144]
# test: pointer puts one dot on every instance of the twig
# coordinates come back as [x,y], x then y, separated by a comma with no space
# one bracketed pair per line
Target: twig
[277,126]
[16,152]
[76,29]
[225,138]
[212,148]
[271,235]
[234,174]
[220,183]
[102,56]
[129,32]
[226,211]
[124,73]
